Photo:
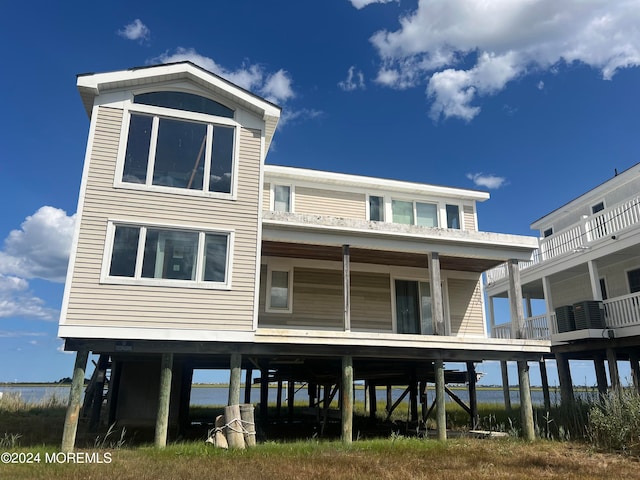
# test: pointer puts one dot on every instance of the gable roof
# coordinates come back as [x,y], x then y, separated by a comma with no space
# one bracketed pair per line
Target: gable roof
[90,85]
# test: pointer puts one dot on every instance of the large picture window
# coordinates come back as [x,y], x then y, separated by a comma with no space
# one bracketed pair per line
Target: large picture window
[178,153]
[162,254]
[414,213]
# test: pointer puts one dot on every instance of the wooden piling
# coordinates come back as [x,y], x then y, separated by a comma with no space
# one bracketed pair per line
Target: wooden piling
[473,395]
[233,422]
[164,396]
[347,399]
[235,376]
[248,424]
[526,408]
[441,414]
[545,385]
[505,385]
[247,385]
[73,408]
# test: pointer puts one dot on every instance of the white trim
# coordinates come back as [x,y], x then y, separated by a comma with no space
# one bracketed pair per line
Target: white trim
[256,288]
[138,280]
[279,267]
[370,184]
[137,333]
[76,233]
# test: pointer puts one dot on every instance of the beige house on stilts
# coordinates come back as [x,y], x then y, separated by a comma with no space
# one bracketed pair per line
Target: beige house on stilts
[191,253]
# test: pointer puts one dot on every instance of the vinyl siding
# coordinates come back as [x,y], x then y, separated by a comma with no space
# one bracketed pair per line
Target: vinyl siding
[469,218]
[465,304]
[317,201]
[91,303]
[266,197]
[318,301]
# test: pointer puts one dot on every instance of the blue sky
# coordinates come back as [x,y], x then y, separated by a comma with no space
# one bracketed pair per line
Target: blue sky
[535,101]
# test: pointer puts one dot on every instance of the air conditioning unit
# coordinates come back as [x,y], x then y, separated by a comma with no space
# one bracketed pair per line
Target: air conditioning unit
[565,319]
[588,314]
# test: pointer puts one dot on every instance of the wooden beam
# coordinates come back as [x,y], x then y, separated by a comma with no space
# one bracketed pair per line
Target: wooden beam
[164,397]
[564,376]
[235,377]
[441,414]
[458,400]
[635,370]
[73,408]
[373,400]
[545,385]
[291,395]
[347,399]
[614,376]
[397,402]
[247,385]
[526,408]
[601,374]
[473,394]
[264,392]
[515,300]
[505,385]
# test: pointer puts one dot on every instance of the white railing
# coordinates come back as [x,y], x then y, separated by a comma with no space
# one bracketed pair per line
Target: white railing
[578,236]
[535,328]
[622,311]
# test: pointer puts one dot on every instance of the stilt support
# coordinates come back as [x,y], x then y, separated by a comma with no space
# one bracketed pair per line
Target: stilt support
[441,414]
[164,396]
[347,399]
[73,409]
[526,408]
[235,376]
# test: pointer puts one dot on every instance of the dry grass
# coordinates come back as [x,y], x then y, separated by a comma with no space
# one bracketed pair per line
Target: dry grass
[380,459]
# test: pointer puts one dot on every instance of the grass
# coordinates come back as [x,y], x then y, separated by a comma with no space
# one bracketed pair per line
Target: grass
[37,429]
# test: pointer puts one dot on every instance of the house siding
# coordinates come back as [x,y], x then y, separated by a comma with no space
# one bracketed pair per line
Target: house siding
[465,301]
[317,201]
[469,218]
[318,301]
[94,304]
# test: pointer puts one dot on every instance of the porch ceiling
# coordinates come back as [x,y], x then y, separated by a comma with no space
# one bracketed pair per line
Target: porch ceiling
[378,257]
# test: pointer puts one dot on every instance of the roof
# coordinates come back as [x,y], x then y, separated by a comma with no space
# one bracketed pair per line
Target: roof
[596,192]
[371,183]
[90,85]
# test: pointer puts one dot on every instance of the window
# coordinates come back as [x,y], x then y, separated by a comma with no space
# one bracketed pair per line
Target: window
[279,291]
[427,214]
[376,209]
[547,233]
[598,207]
[415,213]
[413,307]
[633,276]
[161,255]
[603,289]
[179,153]
[184,101]
[282,198]
[453,216]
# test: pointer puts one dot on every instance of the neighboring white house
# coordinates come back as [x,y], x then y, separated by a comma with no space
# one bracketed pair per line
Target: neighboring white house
[587,271]
[190,252]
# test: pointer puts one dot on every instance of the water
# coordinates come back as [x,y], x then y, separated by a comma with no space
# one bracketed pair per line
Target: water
[217,395]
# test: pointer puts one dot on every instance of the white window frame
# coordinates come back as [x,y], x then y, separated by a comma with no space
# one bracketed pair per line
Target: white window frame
[279,268]
[389,211]
[162,112]
[460,216]
[368,208]
[272,196]
[137,279]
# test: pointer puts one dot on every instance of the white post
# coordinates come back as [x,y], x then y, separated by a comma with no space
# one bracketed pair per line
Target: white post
[594,278]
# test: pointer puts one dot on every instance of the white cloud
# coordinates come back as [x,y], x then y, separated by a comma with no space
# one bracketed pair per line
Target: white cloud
[540,85]
[359,4]
[487,181]
[40,249]
[136,30]
[19,334]
[502,40]
[275,87]
[289,116]
[17,301]
[354,80]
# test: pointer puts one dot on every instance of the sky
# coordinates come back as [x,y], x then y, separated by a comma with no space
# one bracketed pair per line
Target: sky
[534,101]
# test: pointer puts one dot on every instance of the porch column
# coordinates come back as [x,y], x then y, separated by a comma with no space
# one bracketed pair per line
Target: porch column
[505,385]
[73,409]
[441,414]
[235,367]
[347,399]
[515,300]
[612,360]
[437,310]
[346,279]
[548,301]
[527,304]
[594,278]
[492,317]
[526,408]
[601,374]
[564,375]
[545,384]
[164,397]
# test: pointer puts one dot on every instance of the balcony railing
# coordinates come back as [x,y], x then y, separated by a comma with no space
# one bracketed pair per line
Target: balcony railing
[579,236]
[535,328]
[619,312]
